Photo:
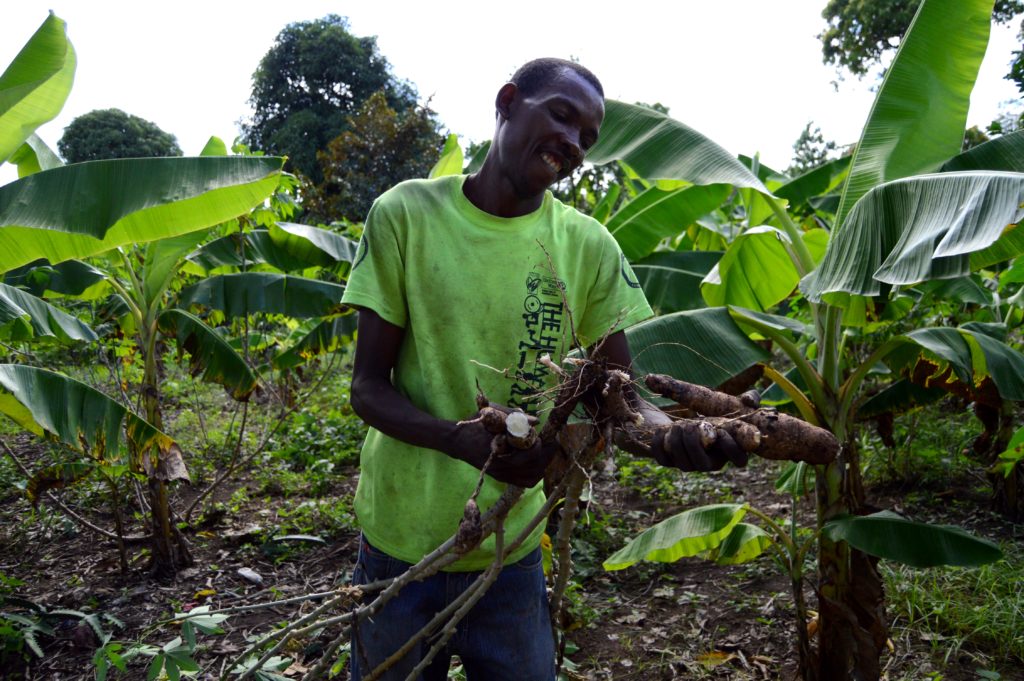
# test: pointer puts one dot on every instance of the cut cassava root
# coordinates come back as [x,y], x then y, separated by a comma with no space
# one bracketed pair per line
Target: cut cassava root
[764,432]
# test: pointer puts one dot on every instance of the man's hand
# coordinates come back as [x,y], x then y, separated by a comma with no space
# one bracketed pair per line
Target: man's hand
[471,442]
[679,445]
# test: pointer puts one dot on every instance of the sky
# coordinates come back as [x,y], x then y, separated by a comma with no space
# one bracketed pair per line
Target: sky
[746,73]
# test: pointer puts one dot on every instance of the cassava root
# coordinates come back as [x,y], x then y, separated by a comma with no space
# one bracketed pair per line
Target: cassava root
[764,432]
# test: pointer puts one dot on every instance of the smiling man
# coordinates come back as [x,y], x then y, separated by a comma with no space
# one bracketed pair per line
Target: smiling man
[467,281]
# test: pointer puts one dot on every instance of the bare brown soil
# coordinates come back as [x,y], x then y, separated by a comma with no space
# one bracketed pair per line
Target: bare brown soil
[689,620]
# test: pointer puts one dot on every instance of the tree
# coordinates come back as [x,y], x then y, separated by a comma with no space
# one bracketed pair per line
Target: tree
[312,79]
[380,148]
[860,32]
[810,151]
[112,133]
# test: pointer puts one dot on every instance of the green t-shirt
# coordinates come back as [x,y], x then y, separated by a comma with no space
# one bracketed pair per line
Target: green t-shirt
[481,299]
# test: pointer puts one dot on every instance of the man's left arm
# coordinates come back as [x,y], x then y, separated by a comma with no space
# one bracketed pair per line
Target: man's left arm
[674,443]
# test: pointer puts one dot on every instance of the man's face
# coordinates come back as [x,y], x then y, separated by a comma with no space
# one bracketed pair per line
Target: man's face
[545,135]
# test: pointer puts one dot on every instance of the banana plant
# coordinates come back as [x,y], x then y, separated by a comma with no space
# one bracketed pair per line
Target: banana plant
[908,209]
[56,213]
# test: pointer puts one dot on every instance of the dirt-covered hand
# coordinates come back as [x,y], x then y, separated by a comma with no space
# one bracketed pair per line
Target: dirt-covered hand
[680,446]
[472,441]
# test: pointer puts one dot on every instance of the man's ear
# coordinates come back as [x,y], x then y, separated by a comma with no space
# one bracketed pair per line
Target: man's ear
[505,100]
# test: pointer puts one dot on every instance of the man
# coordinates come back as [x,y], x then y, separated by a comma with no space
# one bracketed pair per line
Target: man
[466,281]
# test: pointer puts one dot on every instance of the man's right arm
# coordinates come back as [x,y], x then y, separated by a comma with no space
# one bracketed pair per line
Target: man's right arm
[376,400]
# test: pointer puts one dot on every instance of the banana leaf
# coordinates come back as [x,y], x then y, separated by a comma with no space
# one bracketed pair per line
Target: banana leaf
[671,279]
[35,85]
[450,162]
[641,224]
[84,209]
[756,271]
[24,316]
[328,336]
[313,244]
[918,118]
[1002,153]
[237,295]
[34,156]
[49,404]
[71,277]
[210,356]
[888,535]
[686,534]
[916,229]
[700,346]
[661,148]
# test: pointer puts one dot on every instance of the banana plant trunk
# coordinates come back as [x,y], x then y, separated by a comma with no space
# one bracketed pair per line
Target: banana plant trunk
[165,562]
[852,629]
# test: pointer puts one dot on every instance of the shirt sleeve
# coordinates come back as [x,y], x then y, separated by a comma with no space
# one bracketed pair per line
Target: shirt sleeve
[616,300]
[377,278]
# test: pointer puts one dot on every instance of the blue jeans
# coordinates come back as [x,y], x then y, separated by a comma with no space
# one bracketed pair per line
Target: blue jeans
[506,635]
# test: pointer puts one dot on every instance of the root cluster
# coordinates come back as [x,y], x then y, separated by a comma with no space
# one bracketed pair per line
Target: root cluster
[607,397]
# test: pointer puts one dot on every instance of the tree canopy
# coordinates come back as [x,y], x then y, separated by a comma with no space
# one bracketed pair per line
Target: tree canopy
[860,32]
[112,133]
[312,79]
[380,148]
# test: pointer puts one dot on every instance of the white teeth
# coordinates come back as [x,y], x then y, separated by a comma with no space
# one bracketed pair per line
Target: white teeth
[552,162]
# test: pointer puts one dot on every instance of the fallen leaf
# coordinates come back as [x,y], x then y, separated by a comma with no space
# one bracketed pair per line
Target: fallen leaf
[714,658]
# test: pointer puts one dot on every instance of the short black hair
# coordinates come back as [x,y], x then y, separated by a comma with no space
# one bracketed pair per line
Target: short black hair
[535,74]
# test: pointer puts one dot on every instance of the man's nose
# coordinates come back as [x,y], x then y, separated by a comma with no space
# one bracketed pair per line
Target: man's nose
[571,148]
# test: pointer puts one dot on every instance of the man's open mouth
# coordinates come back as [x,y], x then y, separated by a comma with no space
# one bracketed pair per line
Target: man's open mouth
[553,162]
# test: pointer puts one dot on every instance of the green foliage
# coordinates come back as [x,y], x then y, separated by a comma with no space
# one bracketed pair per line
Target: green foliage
[954,608]
[810,151]
[315,439]
[314,76]
[112,133]
[860,32]
[380,148]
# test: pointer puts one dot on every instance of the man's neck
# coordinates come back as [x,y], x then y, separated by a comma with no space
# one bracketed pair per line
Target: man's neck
[494,194]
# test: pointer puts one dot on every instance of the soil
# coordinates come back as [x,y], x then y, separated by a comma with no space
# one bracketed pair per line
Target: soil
[687,620]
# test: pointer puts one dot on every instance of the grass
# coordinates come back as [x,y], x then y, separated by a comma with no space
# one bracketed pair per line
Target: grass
[980,610]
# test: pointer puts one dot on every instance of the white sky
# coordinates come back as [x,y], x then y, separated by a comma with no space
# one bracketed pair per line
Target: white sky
[746,73]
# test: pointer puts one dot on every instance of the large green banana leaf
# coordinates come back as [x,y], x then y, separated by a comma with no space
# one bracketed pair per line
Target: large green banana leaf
[451,160]
[920,112]
[671,279]
[35,85]
[24,316]
[744,543]
[641,224]
[700,346]
[1002,153]
[661,148]
[686,534]
[162,261]
[756,271]
[313,244]
[817,182]
[888,535]
[87,208]
[237,295]
[49,404]
[246,250]
[71,277]
[327,336]
[916,229]
[34,156]
[209,354]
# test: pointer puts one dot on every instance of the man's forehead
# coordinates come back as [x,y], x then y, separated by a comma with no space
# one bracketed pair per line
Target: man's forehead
[573,88]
